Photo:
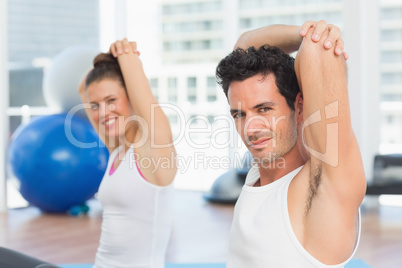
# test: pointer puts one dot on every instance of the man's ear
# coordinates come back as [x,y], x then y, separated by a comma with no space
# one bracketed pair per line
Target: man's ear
[299,107]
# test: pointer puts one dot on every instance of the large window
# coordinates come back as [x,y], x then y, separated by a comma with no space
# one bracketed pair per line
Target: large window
[172,90]
[192,89]
[211,89]
[391,76]
[38,31]
[192,7]
[154,84]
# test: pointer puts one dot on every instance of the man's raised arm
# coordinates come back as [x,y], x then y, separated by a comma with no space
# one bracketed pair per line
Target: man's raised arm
[327,129]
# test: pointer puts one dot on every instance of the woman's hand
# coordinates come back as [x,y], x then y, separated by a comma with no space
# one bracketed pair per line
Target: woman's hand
[121,47]
[334,35]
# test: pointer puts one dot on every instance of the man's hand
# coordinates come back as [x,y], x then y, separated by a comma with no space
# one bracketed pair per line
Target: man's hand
[334,36]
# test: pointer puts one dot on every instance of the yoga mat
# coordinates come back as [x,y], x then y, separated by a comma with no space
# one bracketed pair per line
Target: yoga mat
[355,263]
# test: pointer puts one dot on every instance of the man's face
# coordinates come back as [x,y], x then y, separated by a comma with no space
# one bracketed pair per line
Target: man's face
[263,119]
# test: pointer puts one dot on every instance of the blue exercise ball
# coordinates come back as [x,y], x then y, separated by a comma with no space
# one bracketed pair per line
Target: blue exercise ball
[58,161]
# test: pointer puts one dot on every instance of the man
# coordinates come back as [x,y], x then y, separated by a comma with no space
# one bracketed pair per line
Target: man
[300,204]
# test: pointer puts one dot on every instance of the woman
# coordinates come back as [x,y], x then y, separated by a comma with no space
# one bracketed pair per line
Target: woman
[136,190]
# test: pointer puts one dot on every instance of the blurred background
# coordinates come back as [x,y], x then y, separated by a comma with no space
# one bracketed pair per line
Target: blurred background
[181,42]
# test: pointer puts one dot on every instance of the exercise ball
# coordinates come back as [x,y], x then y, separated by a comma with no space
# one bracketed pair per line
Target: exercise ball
[58,162]
[62,78]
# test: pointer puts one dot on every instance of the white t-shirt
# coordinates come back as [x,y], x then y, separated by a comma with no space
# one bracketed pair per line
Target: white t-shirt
[137,217]
[262,235]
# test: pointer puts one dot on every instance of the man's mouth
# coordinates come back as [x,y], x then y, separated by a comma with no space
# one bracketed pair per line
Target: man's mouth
[260,143]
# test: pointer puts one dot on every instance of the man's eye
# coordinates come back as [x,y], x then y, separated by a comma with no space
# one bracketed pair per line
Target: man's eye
[265,109]
[94,106]
[236,115]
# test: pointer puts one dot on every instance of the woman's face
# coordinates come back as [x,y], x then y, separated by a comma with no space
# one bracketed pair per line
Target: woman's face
[110,107]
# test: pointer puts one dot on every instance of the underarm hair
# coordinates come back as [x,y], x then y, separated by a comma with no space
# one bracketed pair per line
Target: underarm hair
[315,180]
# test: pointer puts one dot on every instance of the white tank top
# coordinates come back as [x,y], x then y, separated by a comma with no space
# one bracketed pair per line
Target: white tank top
[261,234]
[137,217]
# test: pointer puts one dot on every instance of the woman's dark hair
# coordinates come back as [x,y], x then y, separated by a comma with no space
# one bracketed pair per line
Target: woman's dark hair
[105,66]
[242,64]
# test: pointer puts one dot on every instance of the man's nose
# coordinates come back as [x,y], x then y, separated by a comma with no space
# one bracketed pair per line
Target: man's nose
[255,124]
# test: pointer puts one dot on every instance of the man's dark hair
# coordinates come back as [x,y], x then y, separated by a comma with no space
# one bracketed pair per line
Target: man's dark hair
[242,64]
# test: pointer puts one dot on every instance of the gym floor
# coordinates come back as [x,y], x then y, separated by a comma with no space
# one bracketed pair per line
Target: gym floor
[200,233]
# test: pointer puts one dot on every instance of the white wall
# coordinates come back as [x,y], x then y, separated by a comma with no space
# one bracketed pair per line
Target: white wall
[112,22]
[3,103]
[361,42]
